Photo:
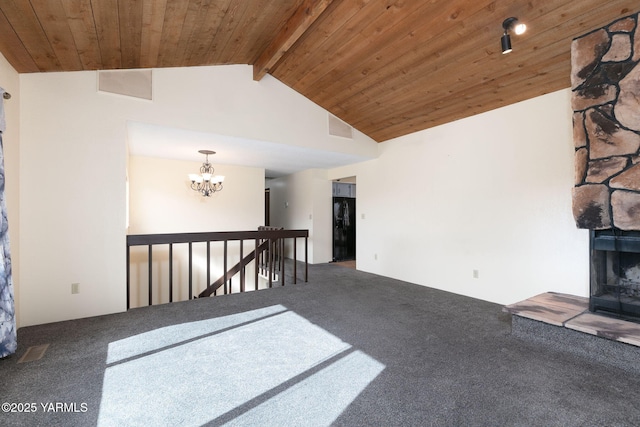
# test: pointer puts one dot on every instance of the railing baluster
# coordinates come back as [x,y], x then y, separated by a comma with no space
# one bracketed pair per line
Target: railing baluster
[270,263]
[241,269]
[261,258]
[190,271]
[282,269]
[255,260]
[279,252]
[209,265]
[170,272]
[306,259]
[275,258]
[295,261]
[128,277]
[274,263]
[150,274]
[225,270]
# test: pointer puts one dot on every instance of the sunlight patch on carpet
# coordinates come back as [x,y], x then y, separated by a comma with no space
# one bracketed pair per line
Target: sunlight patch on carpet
[164,337]
[319,399]
[195,382]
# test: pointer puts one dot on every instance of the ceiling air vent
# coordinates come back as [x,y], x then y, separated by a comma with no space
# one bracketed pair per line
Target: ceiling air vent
[135,83]
[339,128]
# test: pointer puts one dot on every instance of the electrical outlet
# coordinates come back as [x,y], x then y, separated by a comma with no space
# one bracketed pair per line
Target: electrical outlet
[476,274]
[75,288]
[375,256]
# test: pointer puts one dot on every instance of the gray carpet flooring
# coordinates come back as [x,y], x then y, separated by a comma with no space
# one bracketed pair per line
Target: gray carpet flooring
[347,349]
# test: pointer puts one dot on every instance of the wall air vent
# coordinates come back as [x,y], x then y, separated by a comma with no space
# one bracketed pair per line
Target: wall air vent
[339,128]
[135,83]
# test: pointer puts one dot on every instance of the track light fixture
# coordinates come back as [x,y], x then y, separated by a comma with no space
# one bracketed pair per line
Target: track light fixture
[508,25]
[505,41]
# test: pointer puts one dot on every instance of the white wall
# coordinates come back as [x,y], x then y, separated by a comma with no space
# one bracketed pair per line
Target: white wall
[72,148]
[10,82]
[490,193]
[303,201]
[161,200]
[73,152]
[227,101]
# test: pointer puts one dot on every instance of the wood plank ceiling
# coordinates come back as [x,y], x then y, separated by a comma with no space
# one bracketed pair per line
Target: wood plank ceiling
[386,67]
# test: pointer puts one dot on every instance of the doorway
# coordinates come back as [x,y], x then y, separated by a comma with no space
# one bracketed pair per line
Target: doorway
[344,219]
[267,207]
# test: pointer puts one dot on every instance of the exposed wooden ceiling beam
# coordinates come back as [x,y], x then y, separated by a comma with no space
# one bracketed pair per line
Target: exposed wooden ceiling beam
[295,27]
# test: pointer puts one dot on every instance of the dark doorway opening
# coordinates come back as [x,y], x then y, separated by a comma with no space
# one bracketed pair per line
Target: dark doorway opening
[267,207]
[344,221]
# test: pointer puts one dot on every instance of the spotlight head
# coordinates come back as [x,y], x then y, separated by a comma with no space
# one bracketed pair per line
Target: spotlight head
[520,28]
[505,41]
[512,24]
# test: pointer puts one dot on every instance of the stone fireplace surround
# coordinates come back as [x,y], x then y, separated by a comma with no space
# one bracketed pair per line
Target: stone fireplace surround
[605,83]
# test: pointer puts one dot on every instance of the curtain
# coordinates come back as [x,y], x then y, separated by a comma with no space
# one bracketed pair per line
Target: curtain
[8,336]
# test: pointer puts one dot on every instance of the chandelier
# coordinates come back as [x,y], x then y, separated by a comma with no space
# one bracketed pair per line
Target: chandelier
[206,183]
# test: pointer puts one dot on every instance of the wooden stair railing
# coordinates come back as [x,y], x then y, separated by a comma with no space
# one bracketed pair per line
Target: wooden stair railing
[234,270]
[267,240]
[272,261]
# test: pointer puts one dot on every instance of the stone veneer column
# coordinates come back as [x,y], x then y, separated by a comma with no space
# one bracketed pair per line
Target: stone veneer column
[605,83]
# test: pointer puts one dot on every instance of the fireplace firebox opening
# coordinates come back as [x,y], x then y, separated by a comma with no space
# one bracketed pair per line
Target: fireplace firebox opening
[615,273]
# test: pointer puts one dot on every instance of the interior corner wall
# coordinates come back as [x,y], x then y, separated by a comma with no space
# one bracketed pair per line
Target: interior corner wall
[303,201]
[10,82]
[489,194]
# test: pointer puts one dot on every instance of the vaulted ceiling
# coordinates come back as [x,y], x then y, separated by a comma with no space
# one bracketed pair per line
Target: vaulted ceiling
[386,67]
